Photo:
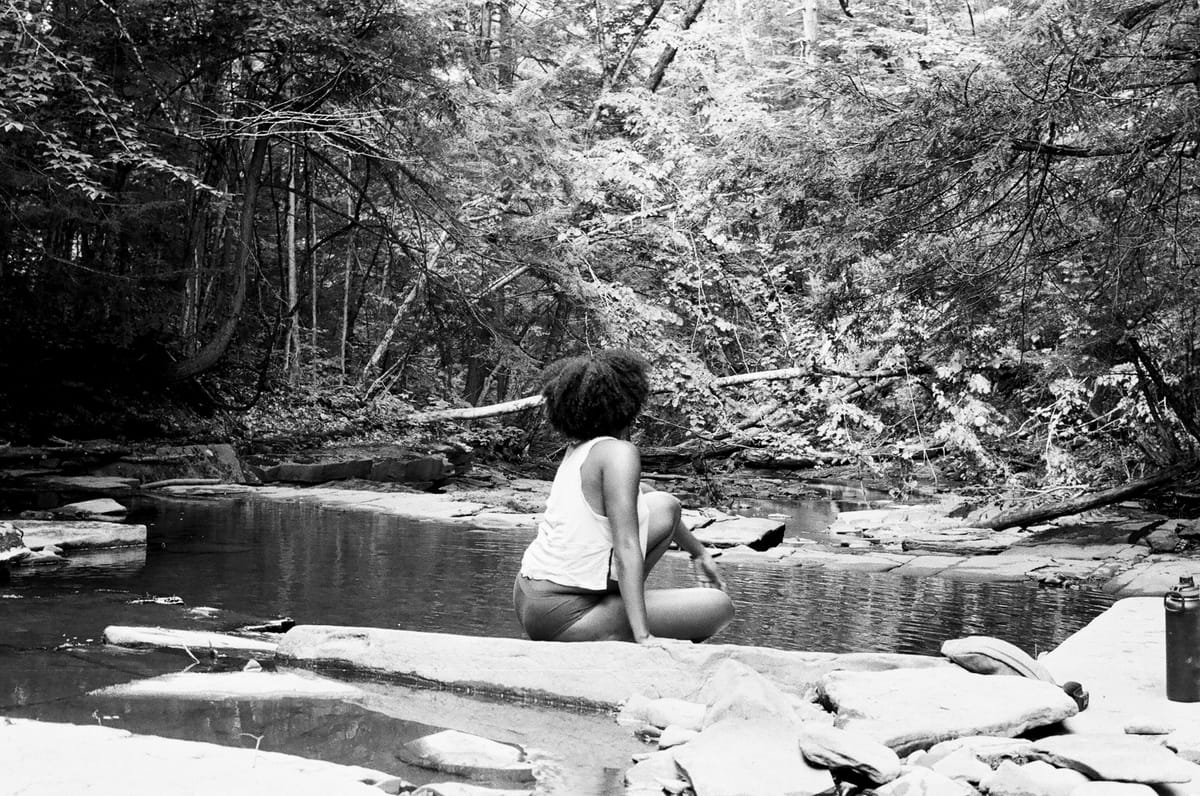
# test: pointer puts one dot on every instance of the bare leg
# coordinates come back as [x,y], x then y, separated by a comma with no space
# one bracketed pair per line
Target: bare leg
[691,614]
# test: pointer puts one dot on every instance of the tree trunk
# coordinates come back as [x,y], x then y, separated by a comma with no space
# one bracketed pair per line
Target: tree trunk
[348,271]
[214,349]
[401,312]
[811,30]
[292,346]
[668,54]
[1027,517]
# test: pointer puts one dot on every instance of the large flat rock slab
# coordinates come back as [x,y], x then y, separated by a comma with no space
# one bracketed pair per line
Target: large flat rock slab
[1109,756]
[1152,577]
[910,709]
[757,533]
[56,759]
[596,674]
[80,535]
[1120,657]
[234,685]
[194,640]
[103,485]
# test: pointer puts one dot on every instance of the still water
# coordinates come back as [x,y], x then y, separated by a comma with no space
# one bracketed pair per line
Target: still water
[252,560]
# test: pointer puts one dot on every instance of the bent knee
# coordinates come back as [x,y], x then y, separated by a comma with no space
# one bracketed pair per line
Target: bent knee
[663,507]
[722,607]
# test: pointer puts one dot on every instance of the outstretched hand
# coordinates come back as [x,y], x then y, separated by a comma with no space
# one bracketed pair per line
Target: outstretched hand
[654,642]
[708,572]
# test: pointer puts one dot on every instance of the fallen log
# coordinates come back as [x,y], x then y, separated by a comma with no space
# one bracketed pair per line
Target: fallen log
[1040,514]
[181,482]
[529,402]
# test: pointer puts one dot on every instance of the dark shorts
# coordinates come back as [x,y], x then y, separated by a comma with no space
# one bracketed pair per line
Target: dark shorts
[546,609]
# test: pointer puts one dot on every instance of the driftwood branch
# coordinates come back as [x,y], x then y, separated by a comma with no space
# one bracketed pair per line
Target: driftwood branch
[529,402]
[1027,517]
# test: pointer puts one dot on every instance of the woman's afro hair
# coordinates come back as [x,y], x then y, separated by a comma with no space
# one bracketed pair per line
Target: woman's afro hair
[597,395]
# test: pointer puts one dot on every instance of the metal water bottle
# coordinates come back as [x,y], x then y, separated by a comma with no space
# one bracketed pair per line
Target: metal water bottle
[1182,605]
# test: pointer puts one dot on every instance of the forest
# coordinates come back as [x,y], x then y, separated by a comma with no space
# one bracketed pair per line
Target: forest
[900,233]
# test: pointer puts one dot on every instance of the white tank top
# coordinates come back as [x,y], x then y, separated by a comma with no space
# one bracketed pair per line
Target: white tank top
[574,544]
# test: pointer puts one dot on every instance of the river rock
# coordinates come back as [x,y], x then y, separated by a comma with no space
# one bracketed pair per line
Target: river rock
[318,472]
[919,781]
[651,772]
[86,485]
[463,789]
[751,696]
[915,708]
[1114,756]
[234,685]
[662,712]
[1031,779]
[674,736]
[195,640]
[757,533]
[1186,744]
[837,749]
[962,764]
[81,535]
[980,543]
[1114,789]
[1161,540]
[991,749]
[97,509]
[468,755]
[987,655]
[12,544]
[739,757]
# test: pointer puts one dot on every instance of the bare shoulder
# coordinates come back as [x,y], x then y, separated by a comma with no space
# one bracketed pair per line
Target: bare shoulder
[617,451]
[613,456]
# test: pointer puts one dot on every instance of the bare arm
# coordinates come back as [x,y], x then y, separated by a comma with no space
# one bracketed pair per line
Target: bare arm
[620,473]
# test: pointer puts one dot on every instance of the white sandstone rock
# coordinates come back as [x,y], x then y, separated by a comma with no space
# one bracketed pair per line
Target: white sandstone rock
[648,775]
[920,781]
[98,509]
[662,712]
[910,709]
[834,748]
[740,757]
[990,749]
[1037,778]
[79,535]
[987,655]
[749,695]
[1114,789]
[1113,756]
[674,736]
[963,765]
[463,789]
[195,640]
[468,755]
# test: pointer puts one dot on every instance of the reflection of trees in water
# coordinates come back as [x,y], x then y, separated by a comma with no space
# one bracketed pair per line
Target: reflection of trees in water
[330,730]
[325,565]
[839,611]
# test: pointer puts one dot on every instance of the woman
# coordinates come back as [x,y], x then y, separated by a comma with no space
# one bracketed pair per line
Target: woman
[583,577]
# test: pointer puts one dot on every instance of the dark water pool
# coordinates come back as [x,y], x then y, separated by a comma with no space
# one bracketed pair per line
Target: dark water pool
[251,559]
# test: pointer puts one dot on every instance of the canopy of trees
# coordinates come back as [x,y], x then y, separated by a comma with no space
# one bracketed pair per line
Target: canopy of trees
[968,225]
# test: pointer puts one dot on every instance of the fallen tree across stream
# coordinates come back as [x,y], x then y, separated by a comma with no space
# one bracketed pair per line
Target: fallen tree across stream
[531,401]
[1091,500]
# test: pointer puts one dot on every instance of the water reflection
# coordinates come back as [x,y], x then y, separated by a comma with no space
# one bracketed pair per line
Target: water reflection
[325,566]
[254,560]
